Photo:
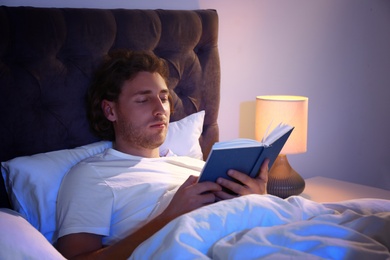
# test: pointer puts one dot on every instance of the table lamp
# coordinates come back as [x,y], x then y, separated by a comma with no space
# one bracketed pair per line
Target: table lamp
[283,180]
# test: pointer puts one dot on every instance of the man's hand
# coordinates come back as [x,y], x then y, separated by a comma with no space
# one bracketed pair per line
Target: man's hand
[191,195]
[247,184]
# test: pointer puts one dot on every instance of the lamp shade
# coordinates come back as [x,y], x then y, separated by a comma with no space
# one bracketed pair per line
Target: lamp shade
[292,110]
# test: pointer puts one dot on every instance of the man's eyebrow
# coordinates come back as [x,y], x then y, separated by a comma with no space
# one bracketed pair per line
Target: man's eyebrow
[147,92]
[164,91]
[142,92]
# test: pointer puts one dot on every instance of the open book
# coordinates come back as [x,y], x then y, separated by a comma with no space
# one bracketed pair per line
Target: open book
[244,155]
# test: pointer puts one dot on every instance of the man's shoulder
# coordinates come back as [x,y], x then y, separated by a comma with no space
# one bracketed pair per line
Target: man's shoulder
[106,163]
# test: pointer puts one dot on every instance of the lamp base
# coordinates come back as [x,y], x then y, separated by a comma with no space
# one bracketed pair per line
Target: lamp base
[284,181]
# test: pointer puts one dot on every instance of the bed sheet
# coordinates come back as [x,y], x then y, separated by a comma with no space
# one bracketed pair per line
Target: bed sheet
[267,227]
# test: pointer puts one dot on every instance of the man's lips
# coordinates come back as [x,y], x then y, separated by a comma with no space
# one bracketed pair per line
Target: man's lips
[160,124]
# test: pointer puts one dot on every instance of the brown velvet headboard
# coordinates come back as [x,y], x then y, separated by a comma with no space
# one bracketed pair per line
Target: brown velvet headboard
[47,56]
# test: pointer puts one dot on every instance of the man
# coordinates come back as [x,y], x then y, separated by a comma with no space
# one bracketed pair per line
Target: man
[112,202]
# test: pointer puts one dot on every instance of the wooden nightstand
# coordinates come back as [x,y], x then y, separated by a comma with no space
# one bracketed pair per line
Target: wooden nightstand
[321,189]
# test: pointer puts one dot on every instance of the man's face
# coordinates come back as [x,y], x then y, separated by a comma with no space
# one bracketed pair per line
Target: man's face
[141,115]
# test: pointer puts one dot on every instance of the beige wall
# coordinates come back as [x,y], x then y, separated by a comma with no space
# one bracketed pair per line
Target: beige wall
[335,52]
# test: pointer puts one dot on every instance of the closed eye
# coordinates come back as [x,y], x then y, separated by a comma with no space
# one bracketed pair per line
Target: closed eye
[164,99]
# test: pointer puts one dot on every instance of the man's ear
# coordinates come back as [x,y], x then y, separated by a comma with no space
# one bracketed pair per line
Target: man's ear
[108,110]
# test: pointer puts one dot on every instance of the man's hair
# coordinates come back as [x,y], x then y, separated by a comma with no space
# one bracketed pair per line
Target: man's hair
[116,68]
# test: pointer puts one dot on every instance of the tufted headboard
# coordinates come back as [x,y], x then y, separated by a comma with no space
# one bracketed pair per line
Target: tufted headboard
[47,56]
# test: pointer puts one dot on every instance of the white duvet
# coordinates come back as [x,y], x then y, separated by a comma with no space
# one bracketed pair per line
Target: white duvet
[267,227]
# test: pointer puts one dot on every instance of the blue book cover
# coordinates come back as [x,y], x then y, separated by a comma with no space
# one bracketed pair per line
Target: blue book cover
[244,155]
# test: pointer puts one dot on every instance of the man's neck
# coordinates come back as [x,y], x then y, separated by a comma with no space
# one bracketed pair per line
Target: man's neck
[137,151]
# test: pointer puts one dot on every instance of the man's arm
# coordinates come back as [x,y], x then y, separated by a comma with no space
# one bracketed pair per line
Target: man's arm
[191,195]
[89,246]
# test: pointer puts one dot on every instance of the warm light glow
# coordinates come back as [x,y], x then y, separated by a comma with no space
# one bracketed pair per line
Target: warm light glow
[292,110]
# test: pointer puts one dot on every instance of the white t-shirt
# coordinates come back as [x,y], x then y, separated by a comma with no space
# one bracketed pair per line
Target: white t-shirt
[113,194]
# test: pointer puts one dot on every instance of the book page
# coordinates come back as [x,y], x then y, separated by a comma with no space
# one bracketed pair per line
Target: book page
[236,143]
[267,140]
[278,131]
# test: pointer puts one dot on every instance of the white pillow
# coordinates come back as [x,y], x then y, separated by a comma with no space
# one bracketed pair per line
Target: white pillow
[32,182]
[20,240]
[183,136]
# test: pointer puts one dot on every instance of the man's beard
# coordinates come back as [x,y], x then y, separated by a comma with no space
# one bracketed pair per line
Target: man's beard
[137,136]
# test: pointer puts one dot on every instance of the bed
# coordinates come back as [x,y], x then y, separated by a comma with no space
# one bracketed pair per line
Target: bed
[47,56]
